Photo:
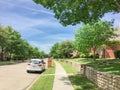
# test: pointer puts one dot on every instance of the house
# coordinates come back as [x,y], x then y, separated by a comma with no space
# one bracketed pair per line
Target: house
[108,52]
[75,53]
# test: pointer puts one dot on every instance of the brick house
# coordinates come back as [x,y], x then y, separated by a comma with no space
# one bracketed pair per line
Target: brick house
[109,50]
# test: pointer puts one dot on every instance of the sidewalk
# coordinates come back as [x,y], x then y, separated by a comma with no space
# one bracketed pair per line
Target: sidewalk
[61,81]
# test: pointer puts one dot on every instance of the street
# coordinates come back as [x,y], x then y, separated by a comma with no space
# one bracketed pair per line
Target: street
[15,77]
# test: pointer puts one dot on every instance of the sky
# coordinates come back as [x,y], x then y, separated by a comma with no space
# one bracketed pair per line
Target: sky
[37,25]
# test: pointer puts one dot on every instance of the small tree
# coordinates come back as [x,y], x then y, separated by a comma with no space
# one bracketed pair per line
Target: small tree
[93,36]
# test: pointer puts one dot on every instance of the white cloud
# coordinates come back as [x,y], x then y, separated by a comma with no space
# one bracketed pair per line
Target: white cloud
[60,37]
[111,16]
[5,5]
[42,46]
[19,3]
[30,32]
[21,22]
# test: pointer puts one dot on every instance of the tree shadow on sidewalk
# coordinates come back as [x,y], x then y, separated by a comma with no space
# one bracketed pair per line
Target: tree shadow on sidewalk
[65,80]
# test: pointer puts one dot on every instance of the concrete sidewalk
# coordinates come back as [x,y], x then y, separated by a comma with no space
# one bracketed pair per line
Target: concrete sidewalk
[61,81]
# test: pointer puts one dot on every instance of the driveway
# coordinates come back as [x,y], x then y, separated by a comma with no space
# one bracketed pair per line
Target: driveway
[14,77]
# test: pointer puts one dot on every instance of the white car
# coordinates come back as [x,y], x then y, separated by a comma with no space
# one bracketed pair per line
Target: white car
[36,65]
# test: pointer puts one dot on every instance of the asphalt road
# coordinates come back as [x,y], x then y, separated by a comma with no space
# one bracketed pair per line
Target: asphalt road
[15,77]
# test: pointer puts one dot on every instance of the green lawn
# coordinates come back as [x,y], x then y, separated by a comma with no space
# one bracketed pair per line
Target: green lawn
[105,65]
[9,62]
[45,82]
[110,68]
[79,82]
[90,61]
[68,68]
[50,70]
[6,62]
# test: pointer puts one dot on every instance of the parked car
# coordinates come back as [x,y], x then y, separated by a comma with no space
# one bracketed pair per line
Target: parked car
[36,65]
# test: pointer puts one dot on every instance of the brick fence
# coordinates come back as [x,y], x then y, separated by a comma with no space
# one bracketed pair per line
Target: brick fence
[103,80]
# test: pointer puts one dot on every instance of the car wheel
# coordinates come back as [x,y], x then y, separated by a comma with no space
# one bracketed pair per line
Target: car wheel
[28,71]
[43,69]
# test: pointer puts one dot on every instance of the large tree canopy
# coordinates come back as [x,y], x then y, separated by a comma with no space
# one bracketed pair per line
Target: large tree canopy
[71,12]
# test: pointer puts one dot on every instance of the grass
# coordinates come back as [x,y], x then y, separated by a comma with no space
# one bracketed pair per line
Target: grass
[68,68]
[104,65]
[79,82]
[91,61]
[9,62]
[50,70]
[6,62]
[45,82]
[110,68]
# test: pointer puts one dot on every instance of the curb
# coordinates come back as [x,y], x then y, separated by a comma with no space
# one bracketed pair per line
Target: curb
[30,85]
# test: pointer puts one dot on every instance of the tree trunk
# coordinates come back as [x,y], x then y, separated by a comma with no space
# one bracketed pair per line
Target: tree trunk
[2,54]
[104,56]
[10,56]
[87,56]
[117,4]
[94,58]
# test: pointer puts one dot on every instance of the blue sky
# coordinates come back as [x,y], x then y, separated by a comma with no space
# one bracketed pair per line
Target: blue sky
[37,25]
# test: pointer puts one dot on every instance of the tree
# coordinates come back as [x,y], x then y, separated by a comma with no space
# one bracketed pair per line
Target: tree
[62,49]
[83,39]
[93,36]
[16,47]
[12,43]
[54,51]
[71,12]
[66,47]
[3,40]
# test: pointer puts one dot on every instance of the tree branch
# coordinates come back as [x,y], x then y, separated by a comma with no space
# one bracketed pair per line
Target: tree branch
[118,4]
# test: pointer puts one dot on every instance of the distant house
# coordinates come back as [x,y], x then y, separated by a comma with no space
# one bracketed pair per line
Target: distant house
[75,53]
[109,50]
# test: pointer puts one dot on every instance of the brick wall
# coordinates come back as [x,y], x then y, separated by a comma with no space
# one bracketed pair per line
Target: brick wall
[109,51]
[103,80]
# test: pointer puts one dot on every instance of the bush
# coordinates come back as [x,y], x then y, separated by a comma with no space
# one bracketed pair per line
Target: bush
[82,55]
[117,54]
[92,55]
[97,55]
[17,57]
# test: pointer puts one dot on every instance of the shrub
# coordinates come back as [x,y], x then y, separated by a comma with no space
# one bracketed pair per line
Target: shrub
[117,54]
[97,55]
[92,55]
[82,55]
